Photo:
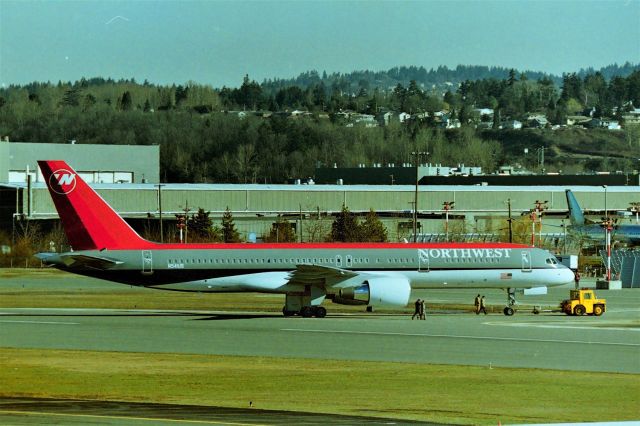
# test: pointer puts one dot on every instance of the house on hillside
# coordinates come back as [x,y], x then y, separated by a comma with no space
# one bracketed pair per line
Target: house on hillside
[511,125]
[537,121]
[384,118]
[632,117]
[404,116]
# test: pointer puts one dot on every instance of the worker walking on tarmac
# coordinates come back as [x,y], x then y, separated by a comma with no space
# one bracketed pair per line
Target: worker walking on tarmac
[576,279]
[416,312]
[423,312]
[483,307]
[476,304]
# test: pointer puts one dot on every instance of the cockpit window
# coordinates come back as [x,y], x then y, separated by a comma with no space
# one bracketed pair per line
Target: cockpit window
[551,261]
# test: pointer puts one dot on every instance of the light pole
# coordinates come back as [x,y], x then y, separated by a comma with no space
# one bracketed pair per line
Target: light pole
[539,157]
[159,185]
[447,205]
[417,154]
[510,220]
[606,212]
[635,207]
[540,206]
[608,227]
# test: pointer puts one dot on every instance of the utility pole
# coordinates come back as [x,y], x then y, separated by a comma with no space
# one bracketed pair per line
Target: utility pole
[447,205]
[510,220]
[417,154]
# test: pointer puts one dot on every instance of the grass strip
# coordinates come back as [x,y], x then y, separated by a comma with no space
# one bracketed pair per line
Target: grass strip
[436,393]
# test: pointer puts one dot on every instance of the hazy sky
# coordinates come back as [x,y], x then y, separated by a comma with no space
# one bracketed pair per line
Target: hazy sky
[218,42]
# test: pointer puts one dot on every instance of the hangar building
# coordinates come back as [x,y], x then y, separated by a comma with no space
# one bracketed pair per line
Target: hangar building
[95,163]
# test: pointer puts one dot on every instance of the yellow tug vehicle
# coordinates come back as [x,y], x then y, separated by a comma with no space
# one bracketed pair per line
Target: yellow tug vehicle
[583,301]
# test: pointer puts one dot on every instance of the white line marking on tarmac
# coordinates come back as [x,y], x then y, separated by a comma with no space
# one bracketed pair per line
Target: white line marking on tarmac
[453,336]
[115,417]
[40,322]
[603,327]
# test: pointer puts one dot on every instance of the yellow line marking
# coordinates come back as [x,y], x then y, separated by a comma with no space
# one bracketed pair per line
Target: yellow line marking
[151,419]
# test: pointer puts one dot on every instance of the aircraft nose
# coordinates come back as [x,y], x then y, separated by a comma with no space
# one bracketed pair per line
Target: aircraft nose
[565,276]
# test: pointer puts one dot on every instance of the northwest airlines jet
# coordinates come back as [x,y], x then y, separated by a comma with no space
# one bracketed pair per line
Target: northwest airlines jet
[105,246]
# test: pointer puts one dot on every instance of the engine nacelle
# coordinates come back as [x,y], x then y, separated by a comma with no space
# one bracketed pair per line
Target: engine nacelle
[378,291]
[535,291]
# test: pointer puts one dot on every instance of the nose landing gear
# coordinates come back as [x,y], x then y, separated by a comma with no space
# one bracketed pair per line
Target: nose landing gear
[511,302]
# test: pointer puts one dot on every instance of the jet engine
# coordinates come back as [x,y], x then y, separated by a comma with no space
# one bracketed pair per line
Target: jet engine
[382,291]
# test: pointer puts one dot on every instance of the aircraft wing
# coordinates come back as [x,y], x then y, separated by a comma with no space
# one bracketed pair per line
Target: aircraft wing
[85,261]
[320,275]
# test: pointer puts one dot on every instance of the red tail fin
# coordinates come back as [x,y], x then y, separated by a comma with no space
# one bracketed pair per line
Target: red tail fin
[89,222]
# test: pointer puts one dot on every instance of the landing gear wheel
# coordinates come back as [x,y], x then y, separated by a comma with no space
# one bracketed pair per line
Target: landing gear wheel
[287,313]
[579,310]
[319,312]
[597,310]
[306,312]
[508,311]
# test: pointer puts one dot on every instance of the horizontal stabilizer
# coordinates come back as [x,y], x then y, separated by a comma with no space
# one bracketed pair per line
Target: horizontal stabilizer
[93,262]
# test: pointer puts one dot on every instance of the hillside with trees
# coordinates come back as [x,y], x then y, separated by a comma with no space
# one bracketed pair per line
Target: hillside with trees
[277,131]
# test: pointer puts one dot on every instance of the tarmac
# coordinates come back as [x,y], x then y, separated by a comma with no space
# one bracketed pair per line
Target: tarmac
[550,340]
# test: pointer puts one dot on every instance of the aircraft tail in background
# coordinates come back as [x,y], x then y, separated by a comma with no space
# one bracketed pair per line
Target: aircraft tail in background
[88,221]
[575,212]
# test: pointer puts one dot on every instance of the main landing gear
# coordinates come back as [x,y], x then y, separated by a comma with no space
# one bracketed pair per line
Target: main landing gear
[306,312]
[511,302]
[305,303]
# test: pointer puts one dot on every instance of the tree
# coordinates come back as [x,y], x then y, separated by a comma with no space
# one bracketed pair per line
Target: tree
[201,228]
[249,95]
[345,227]
[281,232]
[125,103]
[229,232]
[372,230]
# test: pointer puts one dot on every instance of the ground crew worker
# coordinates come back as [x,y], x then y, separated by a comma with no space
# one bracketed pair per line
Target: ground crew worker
[416,312]
[423,315]
[476,304]
[576,279]
[483,307]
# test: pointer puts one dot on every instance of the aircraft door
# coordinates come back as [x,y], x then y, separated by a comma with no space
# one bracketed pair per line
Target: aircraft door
[147,262]
[349,260]
[423,261]
[526,260]
[338,261]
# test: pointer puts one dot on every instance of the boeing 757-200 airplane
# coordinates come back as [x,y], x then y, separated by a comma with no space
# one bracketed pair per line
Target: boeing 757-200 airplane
[105,246]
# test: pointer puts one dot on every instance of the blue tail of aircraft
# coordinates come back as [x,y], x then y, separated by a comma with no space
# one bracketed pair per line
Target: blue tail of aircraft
[575,212]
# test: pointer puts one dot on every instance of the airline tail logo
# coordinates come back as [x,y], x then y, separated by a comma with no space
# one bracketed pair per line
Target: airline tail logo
[62,181]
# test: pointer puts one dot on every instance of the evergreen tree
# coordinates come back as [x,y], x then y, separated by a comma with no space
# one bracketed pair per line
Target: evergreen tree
[345,227]
[229,232]
[125,103]
[372,230]
[201,228]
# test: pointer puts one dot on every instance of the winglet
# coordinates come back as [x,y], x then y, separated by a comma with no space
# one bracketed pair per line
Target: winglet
[575,212]
[89,222]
